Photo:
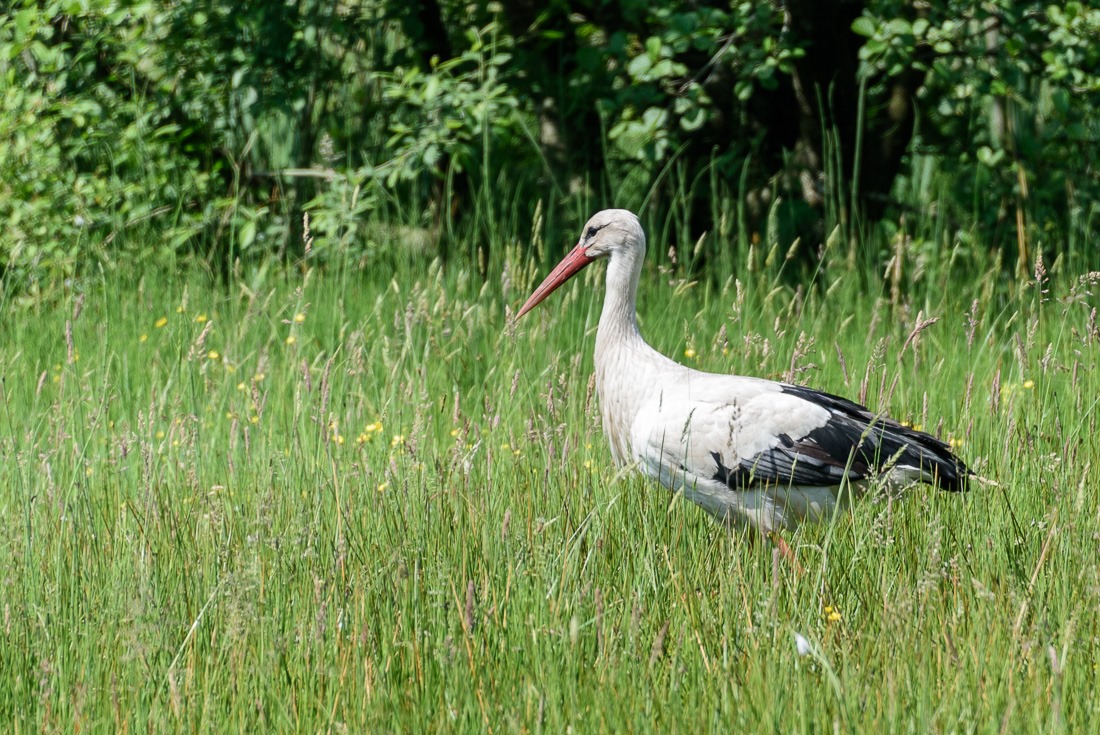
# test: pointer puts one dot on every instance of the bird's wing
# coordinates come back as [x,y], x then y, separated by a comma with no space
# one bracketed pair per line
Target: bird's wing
[747,433]
[883,443]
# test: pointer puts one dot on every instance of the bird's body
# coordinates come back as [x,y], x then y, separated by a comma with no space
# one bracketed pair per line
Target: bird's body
[749,451]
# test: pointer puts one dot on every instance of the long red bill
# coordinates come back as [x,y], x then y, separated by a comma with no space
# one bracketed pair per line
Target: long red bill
[566,269]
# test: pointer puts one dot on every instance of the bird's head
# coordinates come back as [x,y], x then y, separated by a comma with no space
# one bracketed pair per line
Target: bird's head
[606,233]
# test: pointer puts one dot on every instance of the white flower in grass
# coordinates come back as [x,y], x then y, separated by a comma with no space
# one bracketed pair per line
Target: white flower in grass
[802,645]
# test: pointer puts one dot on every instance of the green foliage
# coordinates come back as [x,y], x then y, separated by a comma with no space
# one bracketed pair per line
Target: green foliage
[1020,83]
[455,111]
[649,68]
[217,125]
[88,155]
[661,100]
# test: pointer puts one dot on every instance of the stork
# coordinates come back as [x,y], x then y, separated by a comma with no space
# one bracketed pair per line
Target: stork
[751,452]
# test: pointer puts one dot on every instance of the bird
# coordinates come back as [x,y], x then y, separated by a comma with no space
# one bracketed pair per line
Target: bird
[755,454]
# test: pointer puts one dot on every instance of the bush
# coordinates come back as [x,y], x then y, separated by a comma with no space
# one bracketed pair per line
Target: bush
[132,131]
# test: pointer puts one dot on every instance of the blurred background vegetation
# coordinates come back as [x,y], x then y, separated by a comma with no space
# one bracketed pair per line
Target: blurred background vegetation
[136,133]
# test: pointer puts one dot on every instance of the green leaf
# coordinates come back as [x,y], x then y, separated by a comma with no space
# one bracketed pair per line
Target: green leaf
[694,119]
[898,27]
[248,233]
[638,66]
[653,47]
[863,26]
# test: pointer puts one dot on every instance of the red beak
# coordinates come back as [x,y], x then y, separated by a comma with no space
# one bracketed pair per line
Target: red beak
[569,266]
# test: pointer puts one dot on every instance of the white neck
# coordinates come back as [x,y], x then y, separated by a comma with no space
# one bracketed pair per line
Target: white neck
[619,320]
[624,363]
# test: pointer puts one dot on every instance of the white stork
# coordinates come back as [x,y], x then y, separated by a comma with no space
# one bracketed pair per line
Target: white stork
[751,452]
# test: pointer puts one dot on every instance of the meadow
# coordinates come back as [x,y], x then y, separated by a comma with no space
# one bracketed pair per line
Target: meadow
[360,498]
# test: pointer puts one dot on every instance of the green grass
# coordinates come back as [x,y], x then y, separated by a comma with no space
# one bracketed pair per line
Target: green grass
[205,528]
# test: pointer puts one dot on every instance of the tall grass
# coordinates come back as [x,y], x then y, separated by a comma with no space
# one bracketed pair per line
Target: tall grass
[361,499]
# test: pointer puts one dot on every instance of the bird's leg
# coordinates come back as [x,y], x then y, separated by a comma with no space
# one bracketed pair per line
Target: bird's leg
[785,551]
[777,541]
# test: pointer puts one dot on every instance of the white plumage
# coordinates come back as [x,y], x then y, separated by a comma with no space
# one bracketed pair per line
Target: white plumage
[749,451]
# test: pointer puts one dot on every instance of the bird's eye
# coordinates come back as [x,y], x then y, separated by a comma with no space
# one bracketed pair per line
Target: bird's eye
[592,231]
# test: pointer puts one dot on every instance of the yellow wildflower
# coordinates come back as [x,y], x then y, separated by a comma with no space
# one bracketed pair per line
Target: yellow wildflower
[143,338]
[690,353]
[160,435]
[291,339]
[213,354]
[299,318]
[1029,384]
[242,386]
[382,487]
[161,322]
[200,318]
[398,440]
[179,309]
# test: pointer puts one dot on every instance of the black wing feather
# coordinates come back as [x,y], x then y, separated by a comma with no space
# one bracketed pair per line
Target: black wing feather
[853,444]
